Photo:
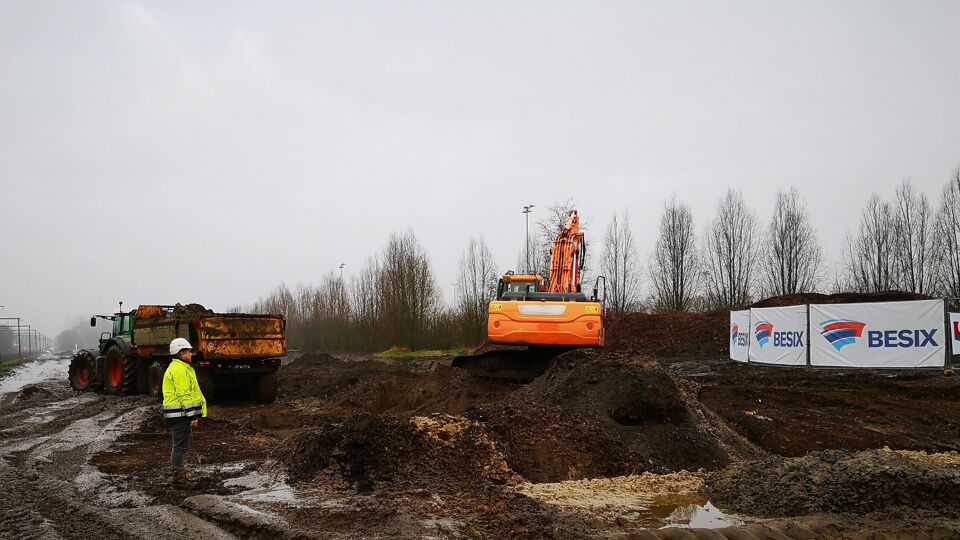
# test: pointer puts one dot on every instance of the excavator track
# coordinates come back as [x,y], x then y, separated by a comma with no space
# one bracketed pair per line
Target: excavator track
[512,366]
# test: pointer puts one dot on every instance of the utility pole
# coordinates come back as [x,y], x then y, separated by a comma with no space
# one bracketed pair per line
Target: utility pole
[19,350]
[526,212]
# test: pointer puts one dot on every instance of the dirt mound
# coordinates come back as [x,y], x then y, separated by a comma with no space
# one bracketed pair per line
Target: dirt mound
[342,389]
[840,298]
[640,406]
[670,334]
[313,360]
[322,376]
[32,393]
[545,444]
[190,311]
[836,482]
[442,452]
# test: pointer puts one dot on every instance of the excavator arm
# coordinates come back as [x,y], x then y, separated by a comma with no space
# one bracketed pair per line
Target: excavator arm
[566,257]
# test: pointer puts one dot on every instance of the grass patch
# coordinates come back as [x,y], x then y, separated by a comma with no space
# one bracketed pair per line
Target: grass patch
[403,352]
[7,365]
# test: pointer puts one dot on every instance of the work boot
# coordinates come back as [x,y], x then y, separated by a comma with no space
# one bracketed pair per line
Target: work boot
[180,480]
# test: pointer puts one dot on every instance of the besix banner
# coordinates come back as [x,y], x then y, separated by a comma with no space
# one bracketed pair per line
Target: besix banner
[740,335]
[778,335]
[881,335]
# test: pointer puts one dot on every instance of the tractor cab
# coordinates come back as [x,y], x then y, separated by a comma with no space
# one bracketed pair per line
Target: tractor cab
[122,325]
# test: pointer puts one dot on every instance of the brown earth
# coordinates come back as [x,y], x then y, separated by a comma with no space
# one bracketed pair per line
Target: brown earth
[836,482]
[415,448]
[794,411]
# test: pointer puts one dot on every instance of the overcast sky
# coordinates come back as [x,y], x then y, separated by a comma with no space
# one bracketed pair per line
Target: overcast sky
[206,152]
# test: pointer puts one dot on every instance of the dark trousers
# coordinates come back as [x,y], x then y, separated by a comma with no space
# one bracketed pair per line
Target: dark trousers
[181,442]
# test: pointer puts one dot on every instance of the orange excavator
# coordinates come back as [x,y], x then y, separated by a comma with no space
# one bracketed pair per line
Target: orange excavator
[547,318]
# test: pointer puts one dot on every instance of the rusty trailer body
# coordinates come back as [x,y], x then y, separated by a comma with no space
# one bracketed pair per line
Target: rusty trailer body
[222,336]
[233,351]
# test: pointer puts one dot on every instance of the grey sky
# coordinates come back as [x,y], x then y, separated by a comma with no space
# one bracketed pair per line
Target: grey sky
[268,143]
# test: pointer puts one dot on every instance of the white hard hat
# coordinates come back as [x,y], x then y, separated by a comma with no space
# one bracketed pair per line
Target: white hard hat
[178,345]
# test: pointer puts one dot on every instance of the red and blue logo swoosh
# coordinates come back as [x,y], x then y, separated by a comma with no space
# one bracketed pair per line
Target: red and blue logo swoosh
[763,331]
[841,332]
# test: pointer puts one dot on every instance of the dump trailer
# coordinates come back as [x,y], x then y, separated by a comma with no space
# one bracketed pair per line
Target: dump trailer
[235,353]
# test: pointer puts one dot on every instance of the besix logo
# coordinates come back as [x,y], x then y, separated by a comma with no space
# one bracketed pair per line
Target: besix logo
[737,338]
[763,329]
[843,332]
[764,332]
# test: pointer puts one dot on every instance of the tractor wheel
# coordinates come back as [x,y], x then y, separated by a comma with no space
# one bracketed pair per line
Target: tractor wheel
[155,379]
[81,371]
[119,372]
[266,388]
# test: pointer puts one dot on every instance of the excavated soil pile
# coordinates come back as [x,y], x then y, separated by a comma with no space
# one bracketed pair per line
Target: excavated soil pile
[445,453]
[670,334]
[190,311]
[632,401]
[841,298]
[343,389]
[836,482]
[545,444]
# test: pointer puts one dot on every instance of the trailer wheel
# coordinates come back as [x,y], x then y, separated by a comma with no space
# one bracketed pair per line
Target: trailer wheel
[208,386]
[266,389]
[81,371]
[155,379]
[119,372]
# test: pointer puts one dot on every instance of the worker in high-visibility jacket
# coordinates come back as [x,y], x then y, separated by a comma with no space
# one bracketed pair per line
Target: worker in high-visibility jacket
[183,406]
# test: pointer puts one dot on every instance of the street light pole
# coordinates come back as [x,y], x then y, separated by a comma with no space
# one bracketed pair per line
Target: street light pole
[526,212]
[341,271]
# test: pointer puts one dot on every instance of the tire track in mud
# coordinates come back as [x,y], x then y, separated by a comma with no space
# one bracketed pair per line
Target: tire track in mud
[49,487]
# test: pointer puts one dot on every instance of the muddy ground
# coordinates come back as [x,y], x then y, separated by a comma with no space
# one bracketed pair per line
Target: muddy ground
[616,444]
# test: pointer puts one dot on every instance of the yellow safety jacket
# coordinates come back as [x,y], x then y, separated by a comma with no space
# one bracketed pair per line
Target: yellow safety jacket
[182,398]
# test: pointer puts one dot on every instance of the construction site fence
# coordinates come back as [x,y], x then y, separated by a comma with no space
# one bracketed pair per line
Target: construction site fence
[897,335]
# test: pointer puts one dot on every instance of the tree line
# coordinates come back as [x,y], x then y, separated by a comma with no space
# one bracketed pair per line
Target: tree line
[902,243]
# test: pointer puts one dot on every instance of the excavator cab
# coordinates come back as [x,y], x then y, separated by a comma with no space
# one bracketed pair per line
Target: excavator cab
[514,284]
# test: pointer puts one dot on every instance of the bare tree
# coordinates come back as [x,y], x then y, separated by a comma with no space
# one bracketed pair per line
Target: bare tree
[620,264]
[675,265]
[731,243]
[476,286]
[869,258]
[791,256]
[912,239]
[408,291]
[947,246]
[365,302]
[548,227]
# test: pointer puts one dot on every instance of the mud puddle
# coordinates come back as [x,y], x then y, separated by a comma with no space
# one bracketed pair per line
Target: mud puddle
[701,514]
[644,501]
